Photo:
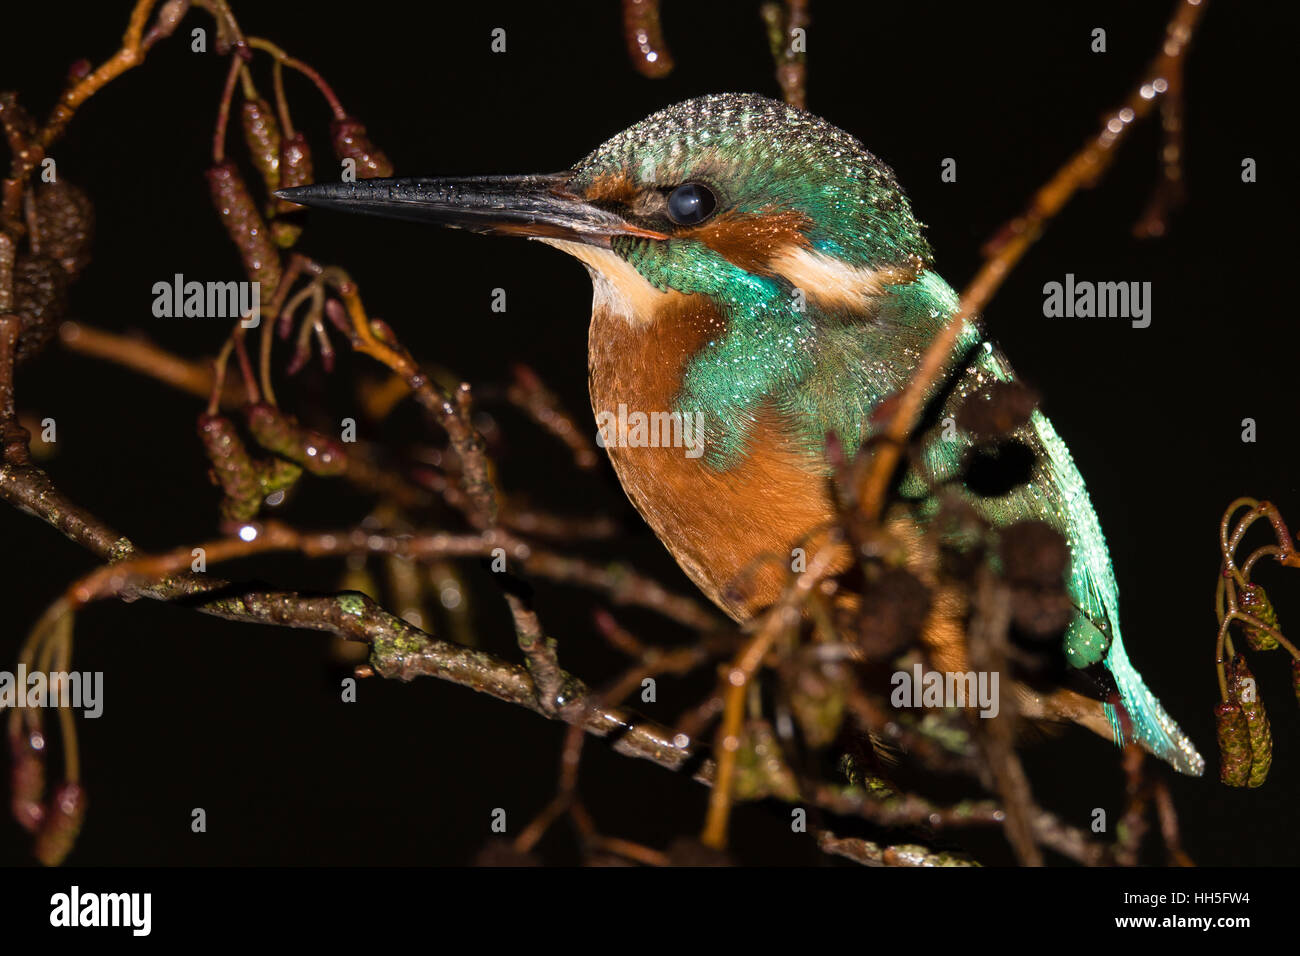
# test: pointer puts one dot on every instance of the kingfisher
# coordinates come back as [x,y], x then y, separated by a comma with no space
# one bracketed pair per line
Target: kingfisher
[758,274]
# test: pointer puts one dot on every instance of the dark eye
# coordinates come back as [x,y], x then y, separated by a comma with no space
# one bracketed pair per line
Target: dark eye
[690,204]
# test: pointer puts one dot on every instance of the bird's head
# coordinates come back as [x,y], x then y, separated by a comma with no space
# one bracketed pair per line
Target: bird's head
[713,192]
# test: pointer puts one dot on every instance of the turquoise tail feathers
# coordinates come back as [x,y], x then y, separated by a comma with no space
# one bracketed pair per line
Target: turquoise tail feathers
[1093,587]
[1150,725]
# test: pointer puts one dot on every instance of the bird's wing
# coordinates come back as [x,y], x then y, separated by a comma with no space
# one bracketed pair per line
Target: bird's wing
[867,361]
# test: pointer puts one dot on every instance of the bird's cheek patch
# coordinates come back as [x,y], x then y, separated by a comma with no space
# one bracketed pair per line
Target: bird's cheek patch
[834,284]
[751,241]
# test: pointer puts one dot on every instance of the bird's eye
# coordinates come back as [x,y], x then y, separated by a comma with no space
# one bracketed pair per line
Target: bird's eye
[690,204]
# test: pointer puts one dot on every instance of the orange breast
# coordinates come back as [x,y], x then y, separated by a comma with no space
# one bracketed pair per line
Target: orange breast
[734,531]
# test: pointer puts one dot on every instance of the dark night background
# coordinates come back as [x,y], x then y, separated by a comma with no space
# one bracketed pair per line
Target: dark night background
[246,722]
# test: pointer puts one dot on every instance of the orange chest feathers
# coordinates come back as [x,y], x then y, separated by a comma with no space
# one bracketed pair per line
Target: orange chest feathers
[733,531]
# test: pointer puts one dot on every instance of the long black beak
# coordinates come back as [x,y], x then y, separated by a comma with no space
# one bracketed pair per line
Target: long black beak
[537,206]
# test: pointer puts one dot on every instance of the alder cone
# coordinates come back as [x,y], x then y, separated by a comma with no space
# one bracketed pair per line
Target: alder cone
[1000,409]
[40,301]
[65,217]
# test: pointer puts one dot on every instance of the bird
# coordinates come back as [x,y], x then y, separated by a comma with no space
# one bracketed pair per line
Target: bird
[760,282]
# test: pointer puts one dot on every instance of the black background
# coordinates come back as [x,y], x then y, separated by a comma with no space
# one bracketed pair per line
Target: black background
[246,721]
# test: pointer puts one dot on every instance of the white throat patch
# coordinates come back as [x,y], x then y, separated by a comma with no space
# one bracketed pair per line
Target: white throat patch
[616,286]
